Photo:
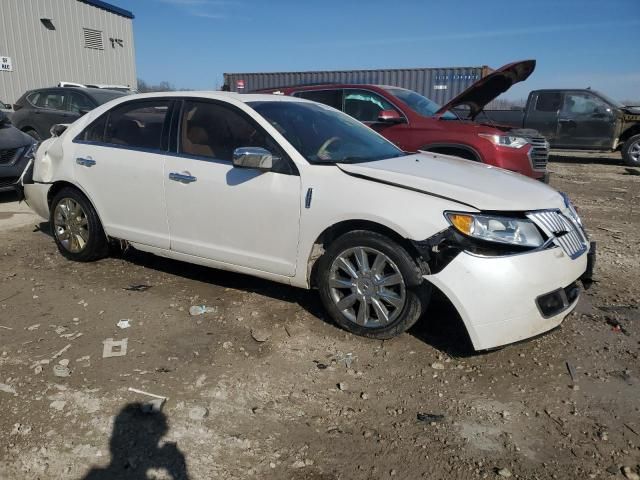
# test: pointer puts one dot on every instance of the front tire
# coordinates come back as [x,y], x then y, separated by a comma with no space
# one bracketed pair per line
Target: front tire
[631,151]
[371,286]
[76,227]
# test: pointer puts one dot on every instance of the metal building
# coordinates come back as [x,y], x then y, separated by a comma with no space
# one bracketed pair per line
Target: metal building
[438,84]
[43,42]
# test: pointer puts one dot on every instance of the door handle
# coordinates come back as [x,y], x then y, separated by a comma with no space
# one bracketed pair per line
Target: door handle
[184,177]
[85,162]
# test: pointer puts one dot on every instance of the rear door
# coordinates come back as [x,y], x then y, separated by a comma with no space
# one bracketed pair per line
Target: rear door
[585,121]
[542,114]
[237,216]
[118,162]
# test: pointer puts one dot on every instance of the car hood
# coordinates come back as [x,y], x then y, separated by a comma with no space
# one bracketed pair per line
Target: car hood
[473,184]
[11,137]
[478,95]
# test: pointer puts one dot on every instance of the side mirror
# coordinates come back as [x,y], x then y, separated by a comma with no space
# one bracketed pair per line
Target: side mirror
[58,129]
[390,116]
[253,157]
[7,106]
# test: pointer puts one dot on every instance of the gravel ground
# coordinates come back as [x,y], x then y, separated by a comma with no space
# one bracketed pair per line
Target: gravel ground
[263,386]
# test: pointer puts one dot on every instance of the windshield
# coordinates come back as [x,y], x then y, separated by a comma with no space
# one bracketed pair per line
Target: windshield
[103,96]
[609,100]
[419,104]
[324,135]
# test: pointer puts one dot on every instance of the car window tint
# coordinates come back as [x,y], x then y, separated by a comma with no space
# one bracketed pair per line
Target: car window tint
[138,124]
[51,100]
[333,98]
[548,101]
[582,104]
[214,130]
[78,103]
[95,131]
[364,106]
[33,98]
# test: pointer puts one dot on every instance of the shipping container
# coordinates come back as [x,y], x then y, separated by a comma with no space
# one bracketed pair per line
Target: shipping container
[438,84]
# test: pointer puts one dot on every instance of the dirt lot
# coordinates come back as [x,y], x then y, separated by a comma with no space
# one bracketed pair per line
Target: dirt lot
[264,387]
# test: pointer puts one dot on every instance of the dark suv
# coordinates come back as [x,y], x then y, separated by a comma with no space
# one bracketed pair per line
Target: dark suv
[414,122]
[38,110]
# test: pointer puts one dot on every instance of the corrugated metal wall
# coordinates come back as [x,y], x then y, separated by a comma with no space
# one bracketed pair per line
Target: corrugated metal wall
[42,57]
[439,84]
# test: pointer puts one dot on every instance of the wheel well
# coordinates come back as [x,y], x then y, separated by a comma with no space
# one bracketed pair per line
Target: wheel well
[56,187]
[339,229]
[456,151]
[628,133]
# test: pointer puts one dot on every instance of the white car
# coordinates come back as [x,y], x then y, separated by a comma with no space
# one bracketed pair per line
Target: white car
[302,194]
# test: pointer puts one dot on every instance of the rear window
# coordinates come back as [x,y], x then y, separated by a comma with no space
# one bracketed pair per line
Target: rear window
[548,101]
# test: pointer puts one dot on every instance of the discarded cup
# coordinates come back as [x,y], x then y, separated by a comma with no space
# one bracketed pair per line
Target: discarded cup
[196,310]
[61,370]
[124,323]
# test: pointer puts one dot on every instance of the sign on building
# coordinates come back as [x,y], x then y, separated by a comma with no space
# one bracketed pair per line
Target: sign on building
[5,64]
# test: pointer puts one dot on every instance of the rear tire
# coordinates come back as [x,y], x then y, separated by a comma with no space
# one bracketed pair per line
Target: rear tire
[383,295]
[76,227]
[631,151]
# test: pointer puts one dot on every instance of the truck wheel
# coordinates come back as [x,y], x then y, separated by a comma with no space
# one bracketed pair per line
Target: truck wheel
[631,151]
[371,286]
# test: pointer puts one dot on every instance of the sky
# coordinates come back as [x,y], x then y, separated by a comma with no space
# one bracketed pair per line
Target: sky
[577,43]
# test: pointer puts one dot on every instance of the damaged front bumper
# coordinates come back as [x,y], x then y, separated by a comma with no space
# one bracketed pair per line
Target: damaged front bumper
[498,298]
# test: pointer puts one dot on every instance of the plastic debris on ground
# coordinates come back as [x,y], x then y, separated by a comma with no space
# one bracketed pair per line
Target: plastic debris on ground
[114,348]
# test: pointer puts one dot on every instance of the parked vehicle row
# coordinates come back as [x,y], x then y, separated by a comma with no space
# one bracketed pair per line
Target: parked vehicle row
[579,119]
[38,110]
[300,193]
[415,123]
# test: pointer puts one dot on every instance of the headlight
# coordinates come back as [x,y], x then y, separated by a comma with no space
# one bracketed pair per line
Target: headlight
[505,140]
[30,151]
[572,209]
[490,228]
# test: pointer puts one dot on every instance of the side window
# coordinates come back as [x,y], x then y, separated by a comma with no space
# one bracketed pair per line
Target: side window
[215,131]
[52,100]
[365,106]
[33,98]
[138,124]
[548,101]
[95,131]
[582,104]
[79,103]
[333,98]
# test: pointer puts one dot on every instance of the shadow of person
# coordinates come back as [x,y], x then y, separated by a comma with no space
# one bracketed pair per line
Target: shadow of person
[135,449]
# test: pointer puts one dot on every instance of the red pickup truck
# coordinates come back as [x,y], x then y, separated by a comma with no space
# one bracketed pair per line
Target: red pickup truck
[414,122]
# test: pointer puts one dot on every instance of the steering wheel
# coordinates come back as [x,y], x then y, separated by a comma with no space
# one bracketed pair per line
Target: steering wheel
[323,149]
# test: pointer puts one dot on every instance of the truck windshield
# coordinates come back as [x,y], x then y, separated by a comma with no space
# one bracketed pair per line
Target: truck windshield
[609,100]
[419,104]
[324,135]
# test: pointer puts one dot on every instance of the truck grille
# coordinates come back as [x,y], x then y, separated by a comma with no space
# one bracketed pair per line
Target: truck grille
[565,231]
[539,153]
[10,156]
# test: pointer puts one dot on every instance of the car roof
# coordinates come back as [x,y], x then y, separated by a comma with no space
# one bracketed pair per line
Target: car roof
[217,95]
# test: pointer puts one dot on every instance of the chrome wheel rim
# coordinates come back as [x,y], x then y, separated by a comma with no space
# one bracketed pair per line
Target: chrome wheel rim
[71,225]
[634,151]
[367,287]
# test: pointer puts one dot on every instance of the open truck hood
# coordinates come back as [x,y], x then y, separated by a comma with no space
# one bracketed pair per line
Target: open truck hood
[476,185]
[488,88]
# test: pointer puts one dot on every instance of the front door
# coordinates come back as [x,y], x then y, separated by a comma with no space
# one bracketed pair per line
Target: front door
[366,107]
[585,121]
[237,216]
[118,161]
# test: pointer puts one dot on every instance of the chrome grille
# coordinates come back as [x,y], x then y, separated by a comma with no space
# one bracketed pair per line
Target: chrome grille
[565,231]
[539,152]
[9,157]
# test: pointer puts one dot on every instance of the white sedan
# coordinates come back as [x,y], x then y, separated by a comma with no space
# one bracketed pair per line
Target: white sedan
[299,193]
